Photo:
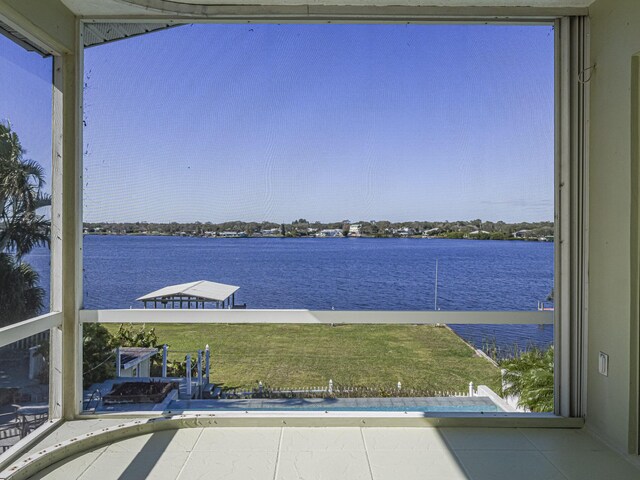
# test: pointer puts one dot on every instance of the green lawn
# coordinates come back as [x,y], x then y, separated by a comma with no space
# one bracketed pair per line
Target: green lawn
[296,356]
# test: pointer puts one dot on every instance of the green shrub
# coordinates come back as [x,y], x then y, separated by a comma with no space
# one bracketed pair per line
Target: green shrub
[98,355]
[530,377]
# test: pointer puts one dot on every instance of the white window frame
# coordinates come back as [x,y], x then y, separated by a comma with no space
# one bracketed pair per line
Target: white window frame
[52,320]
[570,214]
[634,387]
[571,221]
[572,57]
[571,195]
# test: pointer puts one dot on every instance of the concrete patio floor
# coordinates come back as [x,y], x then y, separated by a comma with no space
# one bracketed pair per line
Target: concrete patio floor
[352,453]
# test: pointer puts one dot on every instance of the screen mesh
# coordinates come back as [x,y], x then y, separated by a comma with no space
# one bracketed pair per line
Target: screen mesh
[323,166]
[25,174]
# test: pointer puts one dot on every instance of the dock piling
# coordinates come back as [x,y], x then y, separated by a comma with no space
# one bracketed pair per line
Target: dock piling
[188,376]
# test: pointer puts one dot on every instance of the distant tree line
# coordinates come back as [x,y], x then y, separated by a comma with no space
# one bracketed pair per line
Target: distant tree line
[476,229]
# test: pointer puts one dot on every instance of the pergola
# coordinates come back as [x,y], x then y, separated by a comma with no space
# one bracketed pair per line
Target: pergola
[196,293]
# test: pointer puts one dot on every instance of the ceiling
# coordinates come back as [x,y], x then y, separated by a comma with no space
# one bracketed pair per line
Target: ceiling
[89,8]
[98,33]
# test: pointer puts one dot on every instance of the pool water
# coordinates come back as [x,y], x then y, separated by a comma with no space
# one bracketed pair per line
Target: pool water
[426,404]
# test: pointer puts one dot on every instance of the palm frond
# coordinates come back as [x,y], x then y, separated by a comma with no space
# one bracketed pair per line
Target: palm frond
[21,181]
[20,295]
[529,376]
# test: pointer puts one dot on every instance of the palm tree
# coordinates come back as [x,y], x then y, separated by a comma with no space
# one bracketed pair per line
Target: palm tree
[21,182]
[21,229]
[20,295]
[530,377]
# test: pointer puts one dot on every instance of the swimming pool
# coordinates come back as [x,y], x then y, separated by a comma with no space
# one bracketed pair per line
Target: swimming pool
[404,404]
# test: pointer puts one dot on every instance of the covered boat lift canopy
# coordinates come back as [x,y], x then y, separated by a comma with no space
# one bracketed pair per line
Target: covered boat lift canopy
[193,293]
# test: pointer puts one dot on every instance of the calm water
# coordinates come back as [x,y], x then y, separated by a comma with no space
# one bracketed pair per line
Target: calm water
[326,273]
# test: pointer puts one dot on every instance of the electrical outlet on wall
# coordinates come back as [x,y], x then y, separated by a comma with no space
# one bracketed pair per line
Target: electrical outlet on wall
[603,364]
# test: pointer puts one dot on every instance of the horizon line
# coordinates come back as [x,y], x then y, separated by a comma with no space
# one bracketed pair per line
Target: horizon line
[315,221]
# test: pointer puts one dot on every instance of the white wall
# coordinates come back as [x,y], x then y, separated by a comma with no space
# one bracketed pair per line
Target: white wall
[615,39]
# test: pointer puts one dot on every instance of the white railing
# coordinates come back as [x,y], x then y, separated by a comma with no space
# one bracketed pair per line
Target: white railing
[315,316]
[19,429]
[242,316]
[19,331]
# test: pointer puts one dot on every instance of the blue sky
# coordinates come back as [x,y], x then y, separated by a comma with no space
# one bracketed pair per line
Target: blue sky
[326,122]
[25,100]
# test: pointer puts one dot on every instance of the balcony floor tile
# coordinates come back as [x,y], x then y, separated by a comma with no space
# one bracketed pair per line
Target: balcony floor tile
[157,465]
[486,439]
[350,453]
[601,464]
[237,440]
[322,439]
[182,440]
[415,464]
[561,440]
[323,465]
[499,464]
[73,467]
[416,439]
[230,465]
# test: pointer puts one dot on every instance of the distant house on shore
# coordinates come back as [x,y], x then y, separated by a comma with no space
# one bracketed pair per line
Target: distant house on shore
[405,232]
[330,232]
[232,234]
[522,234]
[271,232]
[478,232]
[431,232]
[355,230]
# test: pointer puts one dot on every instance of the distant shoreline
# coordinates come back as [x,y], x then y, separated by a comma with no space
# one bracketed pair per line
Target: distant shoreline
[286,237]
[302,228]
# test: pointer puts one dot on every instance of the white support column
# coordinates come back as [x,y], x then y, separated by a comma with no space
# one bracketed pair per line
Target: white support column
[165,354]
[55,284]
[199,366]
[70,212]
[187,377]
[118,363]
[207,364]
